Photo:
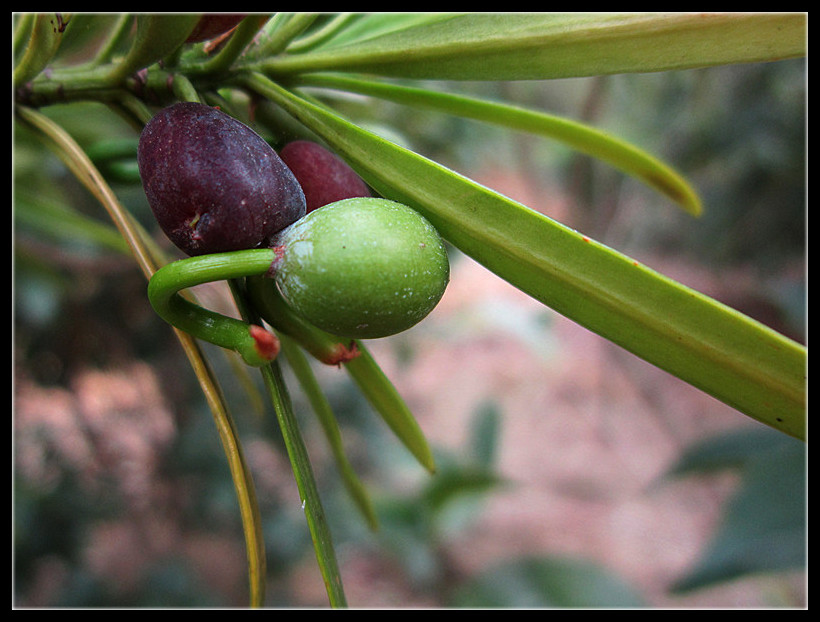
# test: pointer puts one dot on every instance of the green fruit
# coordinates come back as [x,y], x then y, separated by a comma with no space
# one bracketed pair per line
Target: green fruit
[361,267]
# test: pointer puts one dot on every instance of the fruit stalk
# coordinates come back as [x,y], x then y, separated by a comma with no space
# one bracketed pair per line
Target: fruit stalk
[255,344]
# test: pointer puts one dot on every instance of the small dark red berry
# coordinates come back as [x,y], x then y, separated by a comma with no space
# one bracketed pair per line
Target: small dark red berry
[325,178]
[211,25]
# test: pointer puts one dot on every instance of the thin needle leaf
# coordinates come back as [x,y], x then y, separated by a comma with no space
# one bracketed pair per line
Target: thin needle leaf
[310,385]
[598,144]
[299,461]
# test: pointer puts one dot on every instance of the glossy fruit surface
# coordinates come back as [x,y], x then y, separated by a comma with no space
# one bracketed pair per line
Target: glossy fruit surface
[362,267]
[324,176]
[212,24]
[213,183]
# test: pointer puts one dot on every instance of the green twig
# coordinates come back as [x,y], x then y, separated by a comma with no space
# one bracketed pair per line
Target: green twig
[300,463]
[321,406]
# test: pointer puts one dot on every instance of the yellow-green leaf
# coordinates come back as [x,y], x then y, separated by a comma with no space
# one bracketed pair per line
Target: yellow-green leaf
[526,46]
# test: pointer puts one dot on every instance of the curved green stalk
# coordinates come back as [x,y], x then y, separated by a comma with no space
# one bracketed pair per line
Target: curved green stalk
[711,346]
[596,143]
[256,345]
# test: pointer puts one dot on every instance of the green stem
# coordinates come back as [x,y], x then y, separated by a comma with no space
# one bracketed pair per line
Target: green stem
[256,345]
[321,406]
[300,463]
[282,29]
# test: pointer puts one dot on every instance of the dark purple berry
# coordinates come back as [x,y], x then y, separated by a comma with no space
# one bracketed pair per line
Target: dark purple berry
[213,183]
[325,178]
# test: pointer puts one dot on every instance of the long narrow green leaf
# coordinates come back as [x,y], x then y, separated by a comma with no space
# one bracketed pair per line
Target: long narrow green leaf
[386,401]
[591,141]
[324,412]
[705,343]
[523,46]
[303,473]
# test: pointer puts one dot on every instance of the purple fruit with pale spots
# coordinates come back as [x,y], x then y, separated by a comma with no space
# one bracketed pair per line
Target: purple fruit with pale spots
[213,183]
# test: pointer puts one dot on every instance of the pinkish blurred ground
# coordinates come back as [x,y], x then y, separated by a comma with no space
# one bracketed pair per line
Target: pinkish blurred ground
[588,431]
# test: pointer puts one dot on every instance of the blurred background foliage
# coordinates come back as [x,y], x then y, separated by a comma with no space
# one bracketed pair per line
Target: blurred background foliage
[121,493]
